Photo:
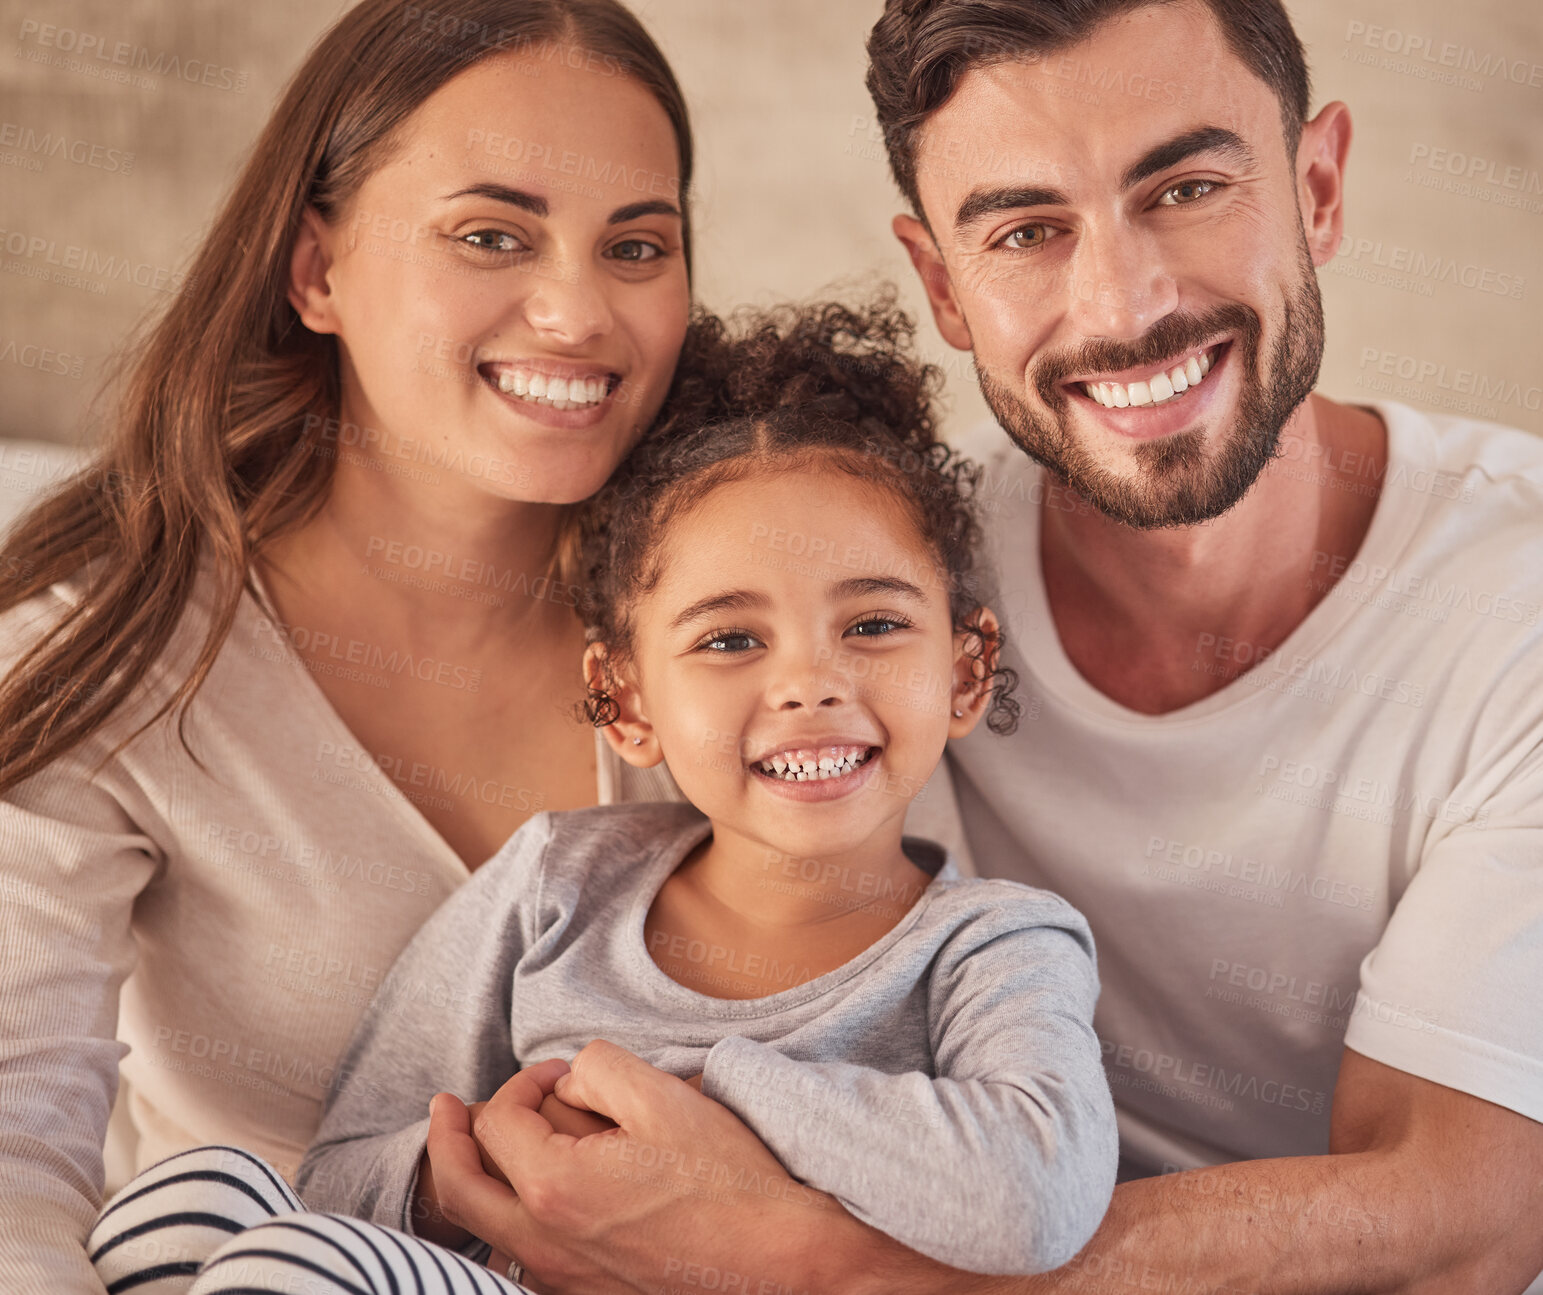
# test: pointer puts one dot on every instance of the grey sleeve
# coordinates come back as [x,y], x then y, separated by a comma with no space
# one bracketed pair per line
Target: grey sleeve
[1005,1162]
[439,1023]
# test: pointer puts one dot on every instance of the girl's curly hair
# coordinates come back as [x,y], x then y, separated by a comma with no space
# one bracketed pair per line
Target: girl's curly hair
[777,389]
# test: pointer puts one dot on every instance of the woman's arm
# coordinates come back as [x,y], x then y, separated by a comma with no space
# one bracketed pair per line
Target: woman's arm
[71,865]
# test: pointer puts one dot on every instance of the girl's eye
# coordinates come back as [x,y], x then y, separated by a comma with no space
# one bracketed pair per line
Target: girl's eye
[492,240]
[729,642]
[637,250]
[1186,191]
[879,626]
[1026,238]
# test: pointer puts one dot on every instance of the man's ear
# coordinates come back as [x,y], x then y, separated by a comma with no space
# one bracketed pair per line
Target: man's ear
[975,658]
[1321,158]
[629,734]
[310,268]
[933,272]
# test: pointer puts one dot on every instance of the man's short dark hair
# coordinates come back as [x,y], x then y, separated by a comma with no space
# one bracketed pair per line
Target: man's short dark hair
[919,50]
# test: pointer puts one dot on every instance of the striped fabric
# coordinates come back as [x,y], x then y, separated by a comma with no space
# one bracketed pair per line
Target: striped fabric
[220,1221]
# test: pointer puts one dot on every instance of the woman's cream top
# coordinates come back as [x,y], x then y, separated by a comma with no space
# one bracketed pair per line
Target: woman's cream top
[213,932]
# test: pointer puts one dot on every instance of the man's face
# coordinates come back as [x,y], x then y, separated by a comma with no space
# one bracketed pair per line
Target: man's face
[1116,221]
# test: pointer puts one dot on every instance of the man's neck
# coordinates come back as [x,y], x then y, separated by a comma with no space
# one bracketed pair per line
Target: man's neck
[1159,619]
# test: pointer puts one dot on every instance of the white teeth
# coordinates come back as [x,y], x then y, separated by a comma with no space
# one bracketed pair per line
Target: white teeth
[808,768]
[1154,391]
[559,393]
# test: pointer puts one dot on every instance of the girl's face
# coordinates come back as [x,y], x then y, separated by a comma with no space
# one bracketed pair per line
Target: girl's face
[509,289]
[800,624]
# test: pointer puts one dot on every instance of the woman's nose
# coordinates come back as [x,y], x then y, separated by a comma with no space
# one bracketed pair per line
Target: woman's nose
[567,305]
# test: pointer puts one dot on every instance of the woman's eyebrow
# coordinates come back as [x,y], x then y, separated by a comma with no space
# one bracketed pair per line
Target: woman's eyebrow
[539,206]
[531,202]
[633,210]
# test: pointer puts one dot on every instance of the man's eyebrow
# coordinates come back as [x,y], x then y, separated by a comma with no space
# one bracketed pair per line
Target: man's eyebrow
[533,203]
[634,210]
[734,600]
[863,586]
[1203,139]
[984,202]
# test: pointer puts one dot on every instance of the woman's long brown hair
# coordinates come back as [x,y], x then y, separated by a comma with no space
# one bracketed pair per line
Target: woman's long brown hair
[216,446]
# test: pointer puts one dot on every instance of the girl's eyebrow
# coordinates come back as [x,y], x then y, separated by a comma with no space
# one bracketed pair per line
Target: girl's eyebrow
[863,586]
[736,600]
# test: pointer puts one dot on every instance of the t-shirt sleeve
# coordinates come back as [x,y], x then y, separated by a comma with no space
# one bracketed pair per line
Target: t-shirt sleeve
[1004,1160]
[440,1022]
[1453,992]
[72,862]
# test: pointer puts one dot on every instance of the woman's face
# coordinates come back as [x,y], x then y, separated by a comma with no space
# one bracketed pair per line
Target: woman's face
[509,289]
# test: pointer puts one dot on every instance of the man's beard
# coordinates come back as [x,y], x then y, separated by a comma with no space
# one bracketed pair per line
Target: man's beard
[1176,483]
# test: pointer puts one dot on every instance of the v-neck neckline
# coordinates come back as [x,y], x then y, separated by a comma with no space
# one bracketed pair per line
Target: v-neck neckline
[386,789]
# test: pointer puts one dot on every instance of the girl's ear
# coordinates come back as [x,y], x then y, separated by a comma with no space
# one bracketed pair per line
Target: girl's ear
[630,734]
[310,264]
[975,657]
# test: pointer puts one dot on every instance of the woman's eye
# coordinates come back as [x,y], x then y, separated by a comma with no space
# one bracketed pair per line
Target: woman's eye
[878,626]
[637,249]
[730,641]
[1026,238]
[1187,191]
[492,240]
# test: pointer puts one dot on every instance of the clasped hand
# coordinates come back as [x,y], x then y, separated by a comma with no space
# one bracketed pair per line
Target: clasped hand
[549,1169]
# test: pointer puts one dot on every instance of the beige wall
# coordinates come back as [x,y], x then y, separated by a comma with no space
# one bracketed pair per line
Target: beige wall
[794,195]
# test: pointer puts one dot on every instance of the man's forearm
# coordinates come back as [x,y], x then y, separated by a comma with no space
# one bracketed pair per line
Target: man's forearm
[1308,1224]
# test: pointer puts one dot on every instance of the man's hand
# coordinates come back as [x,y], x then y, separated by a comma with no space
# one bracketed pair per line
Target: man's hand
[678,1180]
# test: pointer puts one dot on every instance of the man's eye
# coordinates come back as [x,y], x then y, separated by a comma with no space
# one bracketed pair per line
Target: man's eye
[1188,191]
[730,641]
[637,249]
[1026,238]
[492,240]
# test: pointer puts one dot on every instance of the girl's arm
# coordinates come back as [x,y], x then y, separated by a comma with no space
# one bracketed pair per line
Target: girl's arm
[1003,1163]
[440,1022]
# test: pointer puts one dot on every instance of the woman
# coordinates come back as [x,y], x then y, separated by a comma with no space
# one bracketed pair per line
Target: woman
[298,652]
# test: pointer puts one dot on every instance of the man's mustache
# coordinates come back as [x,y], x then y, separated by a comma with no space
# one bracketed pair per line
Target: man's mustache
[1166,338]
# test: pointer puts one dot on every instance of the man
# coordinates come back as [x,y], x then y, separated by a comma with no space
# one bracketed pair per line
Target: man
[1285,691]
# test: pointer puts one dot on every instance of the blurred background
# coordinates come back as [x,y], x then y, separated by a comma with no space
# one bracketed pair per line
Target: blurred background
[1436,298]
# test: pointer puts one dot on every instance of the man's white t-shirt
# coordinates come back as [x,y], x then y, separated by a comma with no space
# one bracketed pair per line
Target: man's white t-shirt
[1343,845]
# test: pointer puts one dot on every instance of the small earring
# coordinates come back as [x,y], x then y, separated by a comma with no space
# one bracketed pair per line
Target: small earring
[958,714]
[637,741]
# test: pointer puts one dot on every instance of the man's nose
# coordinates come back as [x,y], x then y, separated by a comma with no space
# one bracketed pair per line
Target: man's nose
[1118,286]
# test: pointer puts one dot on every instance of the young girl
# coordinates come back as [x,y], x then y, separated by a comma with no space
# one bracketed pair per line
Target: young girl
[781,609]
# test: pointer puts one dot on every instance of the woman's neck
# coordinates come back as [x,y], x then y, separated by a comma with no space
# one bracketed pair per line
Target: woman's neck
[442,556]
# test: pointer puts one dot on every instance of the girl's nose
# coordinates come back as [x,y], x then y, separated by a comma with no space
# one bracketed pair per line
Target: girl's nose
[811,686]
